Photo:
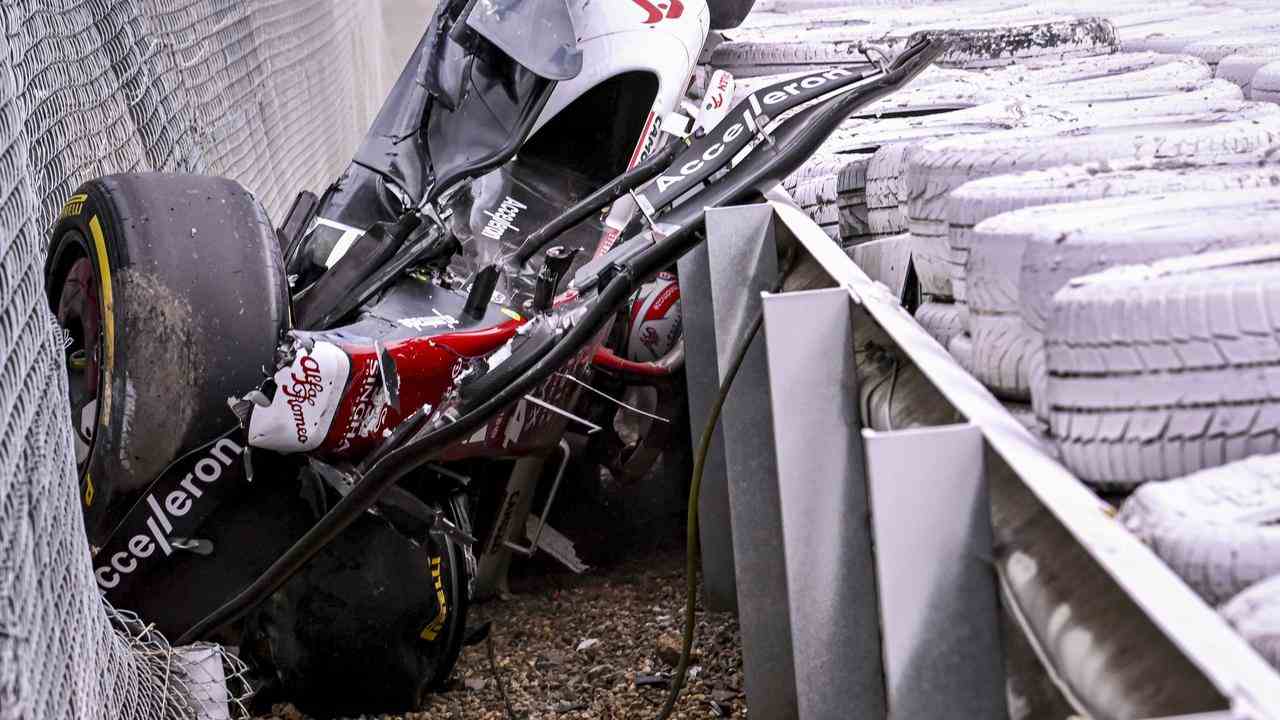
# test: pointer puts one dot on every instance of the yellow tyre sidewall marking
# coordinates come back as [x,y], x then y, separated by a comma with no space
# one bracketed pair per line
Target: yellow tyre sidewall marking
[108,318]
[432,631]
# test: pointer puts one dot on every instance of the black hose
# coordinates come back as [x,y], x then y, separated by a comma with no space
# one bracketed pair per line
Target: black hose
[691,533]
[629,180]
[808,130]
[695,487]
[395,464]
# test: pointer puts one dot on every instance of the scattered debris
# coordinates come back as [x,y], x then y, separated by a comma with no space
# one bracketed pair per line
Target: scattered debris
[588,645]
[555,657]
[668,648]
[475,683]
[650,680]
[723,696]
[554,543]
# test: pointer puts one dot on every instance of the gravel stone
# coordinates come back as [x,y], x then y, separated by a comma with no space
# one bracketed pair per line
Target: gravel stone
[535,635]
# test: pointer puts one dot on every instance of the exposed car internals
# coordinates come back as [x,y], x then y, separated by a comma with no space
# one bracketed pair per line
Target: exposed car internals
[364,393]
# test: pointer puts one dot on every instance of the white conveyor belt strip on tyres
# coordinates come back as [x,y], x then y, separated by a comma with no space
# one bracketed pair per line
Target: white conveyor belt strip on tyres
[1224,657]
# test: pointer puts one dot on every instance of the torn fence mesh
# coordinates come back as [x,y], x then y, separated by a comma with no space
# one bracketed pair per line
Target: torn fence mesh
[273,93]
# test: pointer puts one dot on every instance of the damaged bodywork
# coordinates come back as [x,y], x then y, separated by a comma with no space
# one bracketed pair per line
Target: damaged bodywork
[489,272]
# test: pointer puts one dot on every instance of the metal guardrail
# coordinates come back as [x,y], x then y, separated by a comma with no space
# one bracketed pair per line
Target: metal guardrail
[1117,631]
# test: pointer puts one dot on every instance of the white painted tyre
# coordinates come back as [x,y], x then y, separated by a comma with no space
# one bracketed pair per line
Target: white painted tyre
[1026,74]
[1180,75]
[1043,41]
[1001,345]
[818,165]
[886,182]
[968,48]
[1175,37]
[1266,83]
[940,320]
[1255,614]
[855,225]
[831,193]
[885,177]
[961,348]
[1161,370]
[1215,50]
[818,197]
[937,168]
[1214,528]
[1240,69]
[1018,345]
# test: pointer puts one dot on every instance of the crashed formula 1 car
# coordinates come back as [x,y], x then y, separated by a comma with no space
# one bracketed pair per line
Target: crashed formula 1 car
[402,354]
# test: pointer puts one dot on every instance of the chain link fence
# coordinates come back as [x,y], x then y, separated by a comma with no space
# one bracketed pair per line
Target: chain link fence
[273,93]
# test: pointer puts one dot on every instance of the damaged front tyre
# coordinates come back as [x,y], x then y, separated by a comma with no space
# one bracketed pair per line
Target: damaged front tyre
[171,294]
[373,624]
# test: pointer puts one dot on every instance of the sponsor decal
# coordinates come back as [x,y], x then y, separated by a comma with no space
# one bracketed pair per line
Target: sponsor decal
[715,104]
[655,320]
[74,205]
[500,219]
[430,322]
[649,337]
[161,518]
[301,393]
[368,409]
[662,10]
[308,392]
[648,139]
[747,122]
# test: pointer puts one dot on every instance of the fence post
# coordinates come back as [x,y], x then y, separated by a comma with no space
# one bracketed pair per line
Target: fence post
[739,498]
[821,483]
[931,522]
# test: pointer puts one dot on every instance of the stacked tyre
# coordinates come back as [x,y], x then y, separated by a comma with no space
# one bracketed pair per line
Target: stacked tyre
[1088,214]
[1090,217]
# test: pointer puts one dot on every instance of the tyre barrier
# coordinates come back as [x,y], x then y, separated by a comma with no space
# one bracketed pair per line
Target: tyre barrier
[1087,224]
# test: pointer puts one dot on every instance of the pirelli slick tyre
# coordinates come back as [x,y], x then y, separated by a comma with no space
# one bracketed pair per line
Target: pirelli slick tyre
[372,624]
[1158,371]
[172,291]
[1215,528]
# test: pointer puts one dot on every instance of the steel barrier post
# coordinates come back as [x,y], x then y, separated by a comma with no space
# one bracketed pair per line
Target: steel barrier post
[931,524]
[821,481]
[740,499]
